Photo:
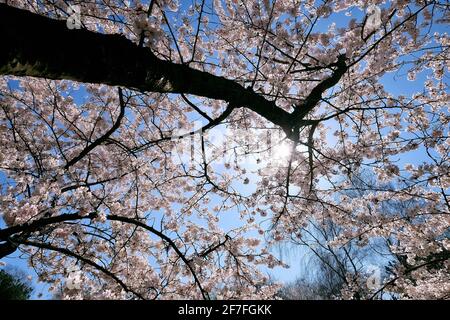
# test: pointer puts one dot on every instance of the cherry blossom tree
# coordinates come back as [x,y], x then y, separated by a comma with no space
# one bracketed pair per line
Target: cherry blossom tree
[279,102]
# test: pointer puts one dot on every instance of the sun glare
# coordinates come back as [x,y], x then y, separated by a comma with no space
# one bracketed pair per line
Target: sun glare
[282,151]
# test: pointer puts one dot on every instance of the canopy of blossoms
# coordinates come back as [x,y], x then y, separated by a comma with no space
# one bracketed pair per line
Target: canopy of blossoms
[158,149]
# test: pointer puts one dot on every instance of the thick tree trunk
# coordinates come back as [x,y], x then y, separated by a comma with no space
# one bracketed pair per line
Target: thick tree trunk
[37,46]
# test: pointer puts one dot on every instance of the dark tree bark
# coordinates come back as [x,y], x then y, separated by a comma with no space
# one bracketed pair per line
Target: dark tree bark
[38,46]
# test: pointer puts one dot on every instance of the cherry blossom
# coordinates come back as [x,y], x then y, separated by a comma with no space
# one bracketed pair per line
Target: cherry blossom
[208,132]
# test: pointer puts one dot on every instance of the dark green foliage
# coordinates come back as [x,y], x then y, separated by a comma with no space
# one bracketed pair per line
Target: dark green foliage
[13,287]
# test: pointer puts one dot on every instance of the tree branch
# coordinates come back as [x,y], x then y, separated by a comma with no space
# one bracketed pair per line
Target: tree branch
[85,260]
[37,46]
[11,245]
[104,137]
[316,93]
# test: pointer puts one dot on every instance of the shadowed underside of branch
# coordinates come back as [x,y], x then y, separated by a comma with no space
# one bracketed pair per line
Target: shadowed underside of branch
[37,46]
